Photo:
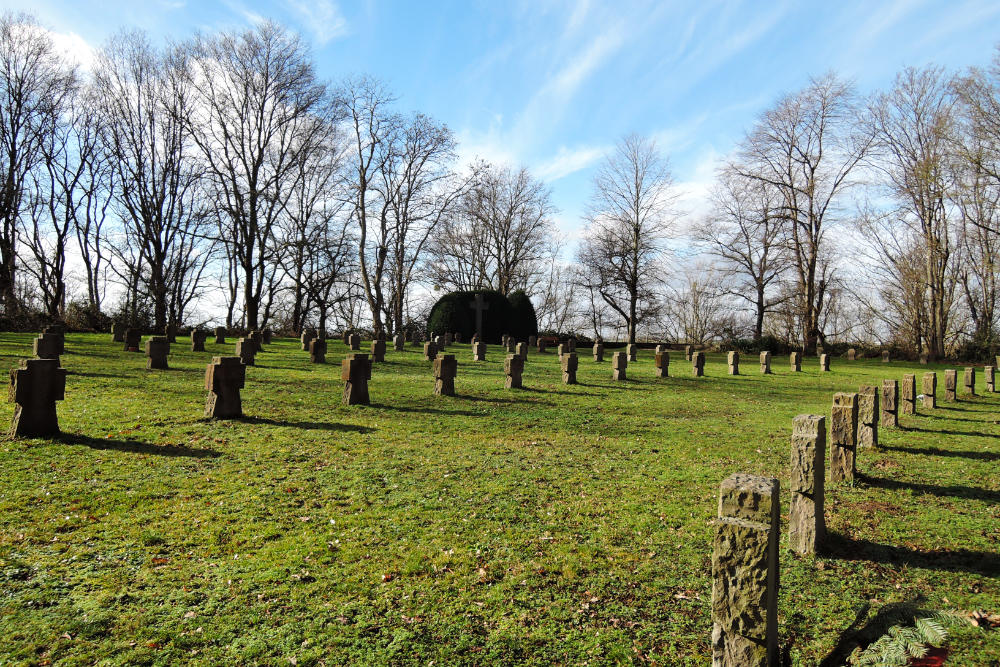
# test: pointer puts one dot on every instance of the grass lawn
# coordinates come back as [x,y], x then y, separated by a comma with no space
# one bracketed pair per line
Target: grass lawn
[549,525]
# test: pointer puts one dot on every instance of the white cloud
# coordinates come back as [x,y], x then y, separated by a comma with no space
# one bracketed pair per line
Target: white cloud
[567,161]
[74,48]
[322,18]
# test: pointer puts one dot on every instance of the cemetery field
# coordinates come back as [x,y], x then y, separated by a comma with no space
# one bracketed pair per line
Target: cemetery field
[549,525]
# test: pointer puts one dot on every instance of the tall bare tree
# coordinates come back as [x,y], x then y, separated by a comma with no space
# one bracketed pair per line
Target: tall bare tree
[745,231]
[806,148]
[257,96]
[145,101]
[35,85]
[913,124]
[630,214]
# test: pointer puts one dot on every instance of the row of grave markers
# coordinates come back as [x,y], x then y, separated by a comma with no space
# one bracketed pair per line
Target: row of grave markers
[747,530]
[225,376]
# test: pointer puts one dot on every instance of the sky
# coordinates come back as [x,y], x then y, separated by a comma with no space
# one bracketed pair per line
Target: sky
[554,85]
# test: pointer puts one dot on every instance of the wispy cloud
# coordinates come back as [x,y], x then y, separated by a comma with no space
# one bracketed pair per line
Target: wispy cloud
[74,48]
[322,18]
[243,11]
[568,161]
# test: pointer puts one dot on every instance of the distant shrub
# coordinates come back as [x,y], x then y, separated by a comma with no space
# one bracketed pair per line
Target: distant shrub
[81,316]
[523,321]
[452,314]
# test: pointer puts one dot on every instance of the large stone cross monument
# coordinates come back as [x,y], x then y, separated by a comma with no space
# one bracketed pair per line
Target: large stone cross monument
[479,305]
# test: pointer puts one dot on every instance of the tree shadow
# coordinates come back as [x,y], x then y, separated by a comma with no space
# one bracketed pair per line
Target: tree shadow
[429,411]
[951,406]
[306,426]
[95,375]
[953,491]
[916,429]
[135,446]
[937,451]
[841,547]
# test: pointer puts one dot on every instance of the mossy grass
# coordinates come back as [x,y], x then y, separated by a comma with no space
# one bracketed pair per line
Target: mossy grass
[554,524]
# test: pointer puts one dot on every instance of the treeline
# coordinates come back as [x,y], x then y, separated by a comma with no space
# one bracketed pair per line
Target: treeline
[223,171]
[222,174]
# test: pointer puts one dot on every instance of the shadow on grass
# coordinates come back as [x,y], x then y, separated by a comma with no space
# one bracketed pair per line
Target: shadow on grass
[953,491]
[96,375]
[952,406]
[135,446]
[949,560]
[937,451]
[306,426]
[914,429]
[429,411]
[857,635]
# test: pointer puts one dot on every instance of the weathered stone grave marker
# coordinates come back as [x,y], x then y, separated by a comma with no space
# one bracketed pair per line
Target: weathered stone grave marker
[930,390]
[157,349]
[951,385]
[378,350]
[513,367]
[852,354]
[569,362]
[133,338]
[908,395]
[479,351]
[733,358]
[35,386]
[445,370]
[765,363]
[989,377]
[806,524]
[117,333]
[307,337]
[198,338]
[795,361]
[824,362]
[355,342]
[355,371]
[890,403]
[220,335]
[868,413]
[48,346]
[698,364]
[224,378]
[619,366]
[969,381]
[885,356]
[633,351]
[398,343]
[843,436]
[745,573]
[317,351]
[598,351]
[246,351]
[430,351]
[662,363]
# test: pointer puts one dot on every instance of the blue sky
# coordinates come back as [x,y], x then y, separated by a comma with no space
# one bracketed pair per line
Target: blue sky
[553,85]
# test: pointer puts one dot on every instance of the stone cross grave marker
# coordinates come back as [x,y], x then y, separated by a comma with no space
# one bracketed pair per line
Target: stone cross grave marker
[480,306]
[445,370]
[619,366]
[317,351]
[220,335]
[479,351]
[35,386]
[989,377]
[765,363]
[598,351]
[969,381]
[198,338]
[430,351]
[246,350]
[513,367]
[117,333]
[795,361]
[378,350]
[355,342]
[133,338]
[733,359]
[48,346]
[157,349]
[632,350]
[398,343]
[570,363]
[355,371]
[662,364]
[951,385]
[698,363]
[824,362]
[224,378]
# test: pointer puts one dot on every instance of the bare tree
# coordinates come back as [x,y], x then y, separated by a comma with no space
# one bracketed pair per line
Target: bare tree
[145,101]
[696,312]
[35,85]
[745,231]
[418,189]
[500,237]
[257,95]
[912,125]
[630,215]
[806,148]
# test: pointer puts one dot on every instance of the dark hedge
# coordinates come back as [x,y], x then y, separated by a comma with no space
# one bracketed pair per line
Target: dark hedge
[452,313]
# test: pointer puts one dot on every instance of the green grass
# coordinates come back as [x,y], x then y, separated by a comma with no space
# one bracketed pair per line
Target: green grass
[554,524]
